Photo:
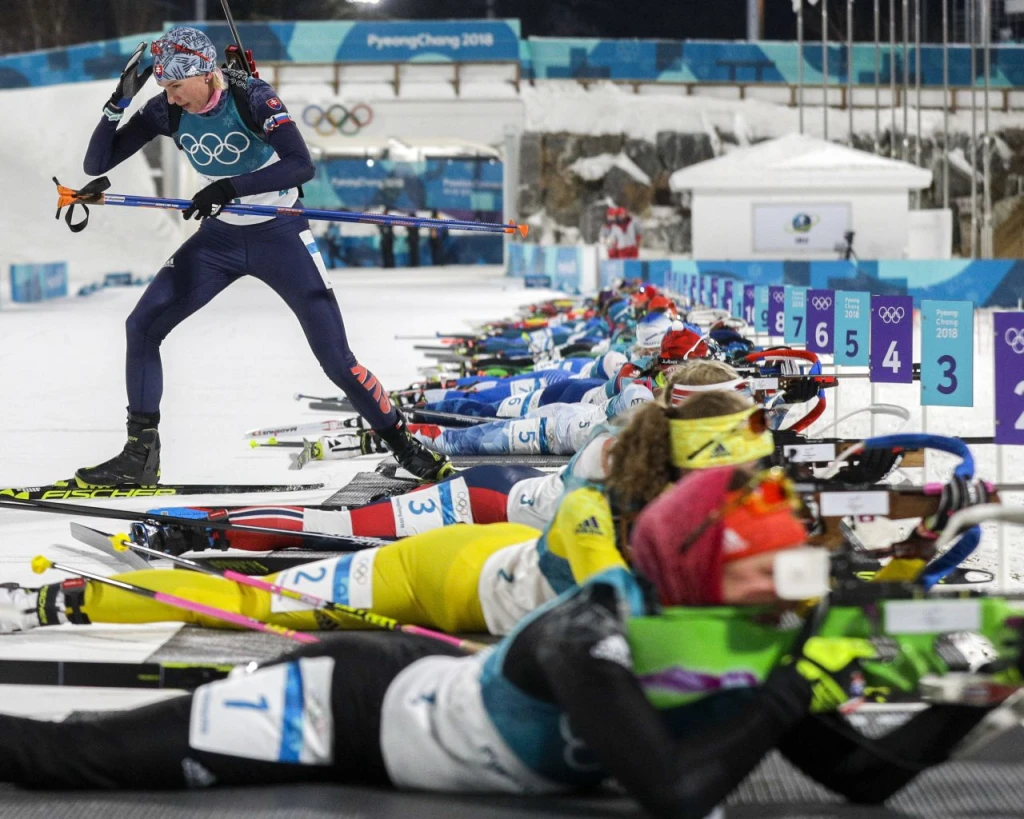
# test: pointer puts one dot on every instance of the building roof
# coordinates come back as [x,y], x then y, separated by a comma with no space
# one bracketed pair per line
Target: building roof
[799,162]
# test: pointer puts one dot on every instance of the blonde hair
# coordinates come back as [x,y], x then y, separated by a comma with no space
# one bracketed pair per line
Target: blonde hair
[218,83]
[697,372]
[641,456]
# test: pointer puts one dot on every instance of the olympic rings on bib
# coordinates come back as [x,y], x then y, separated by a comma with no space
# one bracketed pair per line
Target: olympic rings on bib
[346,121]
[821,302]
[1015,338]
[779,297]
[891,315]
[211,148]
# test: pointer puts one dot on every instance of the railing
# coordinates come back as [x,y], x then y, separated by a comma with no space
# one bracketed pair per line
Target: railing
[394,75]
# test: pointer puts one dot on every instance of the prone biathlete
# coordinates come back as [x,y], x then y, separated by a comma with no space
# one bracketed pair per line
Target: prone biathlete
[458,578]
[479,494]
[560,705]
[239,137]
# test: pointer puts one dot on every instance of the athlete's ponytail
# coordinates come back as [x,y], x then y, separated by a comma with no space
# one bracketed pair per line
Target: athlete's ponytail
[641,458]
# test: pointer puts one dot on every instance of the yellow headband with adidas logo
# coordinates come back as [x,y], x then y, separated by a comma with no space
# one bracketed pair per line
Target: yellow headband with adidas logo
[724,440]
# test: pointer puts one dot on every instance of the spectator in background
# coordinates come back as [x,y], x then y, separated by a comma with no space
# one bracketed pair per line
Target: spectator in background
[387,243]
[414,243]
[628,235]
[609,236]
[436,239]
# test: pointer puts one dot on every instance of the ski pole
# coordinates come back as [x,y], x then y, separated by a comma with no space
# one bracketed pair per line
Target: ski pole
[124,542]
[274,442]
[93,194]
[300,395]
[40,564]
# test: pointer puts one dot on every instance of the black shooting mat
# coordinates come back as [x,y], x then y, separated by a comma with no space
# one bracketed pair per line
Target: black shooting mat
[366,486]
[774,791]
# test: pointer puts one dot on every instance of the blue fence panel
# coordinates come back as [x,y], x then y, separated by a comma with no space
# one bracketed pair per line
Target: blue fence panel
[38,282]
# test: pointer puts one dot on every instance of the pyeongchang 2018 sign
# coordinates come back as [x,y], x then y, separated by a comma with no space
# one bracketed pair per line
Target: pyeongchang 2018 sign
[799,226]
[404,41]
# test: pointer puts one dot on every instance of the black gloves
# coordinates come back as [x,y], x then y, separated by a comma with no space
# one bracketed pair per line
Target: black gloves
[209,201]
[128,85]
[799,390]
[958,494]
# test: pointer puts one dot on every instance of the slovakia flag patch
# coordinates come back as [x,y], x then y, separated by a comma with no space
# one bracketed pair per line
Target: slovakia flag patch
[274,103]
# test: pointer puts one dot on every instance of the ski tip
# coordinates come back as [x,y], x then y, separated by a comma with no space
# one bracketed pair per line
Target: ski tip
[40,564]
[524,230]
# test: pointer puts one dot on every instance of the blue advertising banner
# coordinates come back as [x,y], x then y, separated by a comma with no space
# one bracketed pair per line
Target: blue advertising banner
[729,297]
[777,310]
[1009,364]
[947,353]
[714,292]
[853,328]
[821,319]
[38,282]
[465,187]
[892,339]
[761,309]
[694,289]
[796,315]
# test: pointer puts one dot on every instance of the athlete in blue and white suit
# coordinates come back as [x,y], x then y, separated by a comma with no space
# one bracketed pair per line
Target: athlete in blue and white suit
[239,137]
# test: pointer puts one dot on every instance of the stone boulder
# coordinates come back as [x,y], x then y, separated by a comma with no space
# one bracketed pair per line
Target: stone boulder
[626,191]
[676,150]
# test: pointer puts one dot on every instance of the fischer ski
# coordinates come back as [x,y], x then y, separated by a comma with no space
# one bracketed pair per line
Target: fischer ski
[69,490]
[299,429]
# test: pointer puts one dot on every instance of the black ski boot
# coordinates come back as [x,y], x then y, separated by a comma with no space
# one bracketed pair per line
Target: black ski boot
[138,463]
[413,456]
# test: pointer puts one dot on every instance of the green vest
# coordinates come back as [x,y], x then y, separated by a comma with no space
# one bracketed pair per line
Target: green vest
[687,653]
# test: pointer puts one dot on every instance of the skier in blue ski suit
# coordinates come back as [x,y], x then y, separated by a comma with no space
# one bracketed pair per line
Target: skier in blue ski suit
[238,135]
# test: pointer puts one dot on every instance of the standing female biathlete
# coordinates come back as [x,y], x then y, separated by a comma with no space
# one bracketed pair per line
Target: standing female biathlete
[239,137]
[561,704]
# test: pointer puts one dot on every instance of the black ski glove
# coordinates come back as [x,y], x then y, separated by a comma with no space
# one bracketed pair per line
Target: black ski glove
[128,85]
[958,494]
[209,201]
[869,466]
[800,390]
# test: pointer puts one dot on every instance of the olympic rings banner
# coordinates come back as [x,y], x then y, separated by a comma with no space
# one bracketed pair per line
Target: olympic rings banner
[337,118]
[461,187]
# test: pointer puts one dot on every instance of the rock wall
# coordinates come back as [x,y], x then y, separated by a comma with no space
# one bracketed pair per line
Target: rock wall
[569,206]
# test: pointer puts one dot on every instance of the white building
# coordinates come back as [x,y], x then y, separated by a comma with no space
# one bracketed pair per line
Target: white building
[795,197]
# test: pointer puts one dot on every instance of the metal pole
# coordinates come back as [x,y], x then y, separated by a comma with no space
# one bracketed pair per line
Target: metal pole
[753,20]
[917,77]
[892,77]
[849,64]
[824,64]
[800,61]
[986,145]
[878,73]
[972,35]
[200,13]
[945,103]
[905,153]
